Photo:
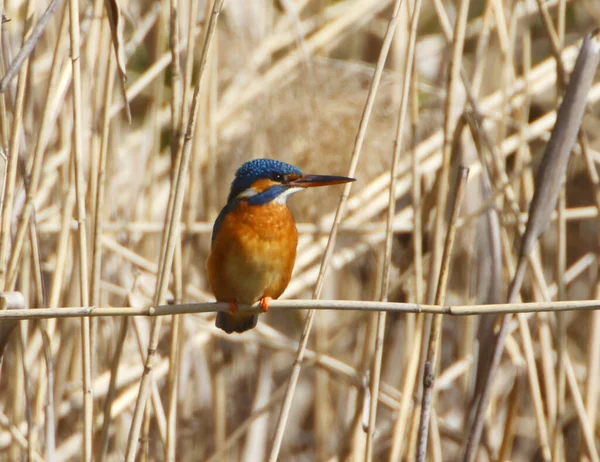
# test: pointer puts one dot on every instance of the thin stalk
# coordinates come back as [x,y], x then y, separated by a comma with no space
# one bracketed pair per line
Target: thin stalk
[33,35]
[450,119]
[586,427]
[511,418]
[177,104]
[112,391]
[436,325]
[400,127]
[101,183]
[38,154]
[13,157]
[360,136]
[171,234]
[549,177]
[289,305]
[407,393]
[88,402]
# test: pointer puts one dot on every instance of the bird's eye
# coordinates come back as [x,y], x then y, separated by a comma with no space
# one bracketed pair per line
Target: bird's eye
[278,177]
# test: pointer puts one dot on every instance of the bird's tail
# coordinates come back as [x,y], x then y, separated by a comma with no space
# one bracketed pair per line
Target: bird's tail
[238,322]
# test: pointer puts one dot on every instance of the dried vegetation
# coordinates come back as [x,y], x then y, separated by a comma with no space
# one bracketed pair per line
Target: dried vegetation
[87,198]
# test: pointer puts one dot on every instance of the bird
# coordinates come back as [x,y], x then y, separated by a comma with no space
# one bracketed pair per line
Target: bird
[254,239]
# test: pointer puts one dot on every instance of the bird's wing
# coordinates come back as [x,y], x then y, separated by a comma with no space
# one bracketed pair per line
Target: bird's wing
[229,207]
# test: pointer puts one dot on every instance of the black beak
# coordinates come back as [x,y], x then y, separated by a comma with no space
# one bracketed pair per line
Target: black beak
[311,181]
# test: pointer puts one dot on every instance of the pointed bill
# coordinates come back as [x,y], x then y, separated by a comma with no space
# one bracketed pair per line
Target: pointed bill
[311,181]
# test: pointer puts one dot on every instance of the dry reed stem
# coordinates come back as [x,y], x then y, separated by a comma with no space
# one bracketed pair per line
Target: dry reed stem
[101,450]
[99,198]
[17,435]
[588,212]
[450,120]
[28,46]
[513,409]
[40,300]
[10,177]
[115,20]
[81,216]
[287,402]
[22,333]
[534,386]
[433,278]
[593,364]
[21,401]
[503,116]
[558,381]
[177,126]
[587,429]
[205,227]
[413,343]
[429,367]
[170,238]
[573,387]
[38,157]
[342,305]
[549,177]
[407,395]
[359,211]
[387,253]
[593,368]
[97,169]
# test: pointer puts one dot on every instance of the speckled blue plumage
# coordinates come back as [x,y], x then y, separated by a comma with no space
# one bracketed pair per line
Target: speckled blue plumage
[245,176]
[255,169]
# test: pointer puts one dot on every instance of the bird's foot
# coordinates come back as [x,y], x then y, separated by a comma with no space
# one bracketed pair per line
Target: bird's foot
[264,304]
[233,307]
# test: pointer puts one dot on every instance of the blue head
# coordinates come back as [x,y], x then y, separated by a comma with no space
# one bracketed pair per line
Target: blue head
[262,181]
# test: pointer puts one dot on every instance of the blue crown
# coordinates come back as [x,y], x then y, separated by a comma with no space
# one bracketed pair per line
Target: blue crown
[255,169]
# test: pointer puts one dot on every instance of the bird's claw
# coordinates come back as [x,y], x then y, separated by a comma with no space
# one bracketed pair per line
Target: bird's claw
[264,304]
[233,307]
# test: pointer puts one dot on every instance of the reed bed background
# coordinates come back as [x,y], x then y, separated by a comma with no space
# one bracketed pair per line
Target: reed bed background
[110,187]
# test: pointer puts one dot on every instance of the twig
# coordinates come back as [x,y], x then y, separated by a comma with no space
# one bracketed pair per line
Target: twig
[10,179]
[360,136]
[171,234]
[436,325]
[28,45]
[178,103]
[50,432]
[77,154]
[550,176]
[101,182]
[341,305]
[450,120]
[112,391]
[381,318]
[586,426]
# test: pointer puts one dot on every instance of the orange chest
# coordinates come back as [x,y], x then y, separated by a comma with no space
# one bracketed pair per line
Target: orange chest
[264,227]
[253,253]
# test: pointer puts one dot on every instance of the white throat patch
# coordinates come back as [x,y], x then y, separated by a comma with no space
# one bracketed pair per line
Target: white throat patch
[246,193]
[283,197]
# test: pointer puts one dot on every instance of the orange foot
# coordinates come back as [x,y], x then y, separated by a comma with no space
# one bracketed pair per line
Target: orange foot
[233,307]
[264,304]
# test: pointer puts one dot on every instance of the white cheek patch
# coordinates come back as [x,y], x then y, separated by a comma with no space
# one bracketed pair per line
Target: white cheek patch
[283,197]
[246,193]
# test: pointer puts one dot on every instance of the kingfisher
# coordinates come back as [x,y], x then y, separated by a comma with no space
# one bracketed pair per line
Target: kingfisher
[254,239]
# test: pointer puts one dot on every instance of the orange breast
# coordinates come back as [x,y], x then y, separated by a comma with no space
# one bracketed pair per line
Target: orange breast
[253,253]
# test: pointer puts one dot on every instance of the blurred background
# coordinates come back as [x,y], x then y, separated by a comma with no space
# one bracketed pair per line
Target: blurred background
[288,80]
